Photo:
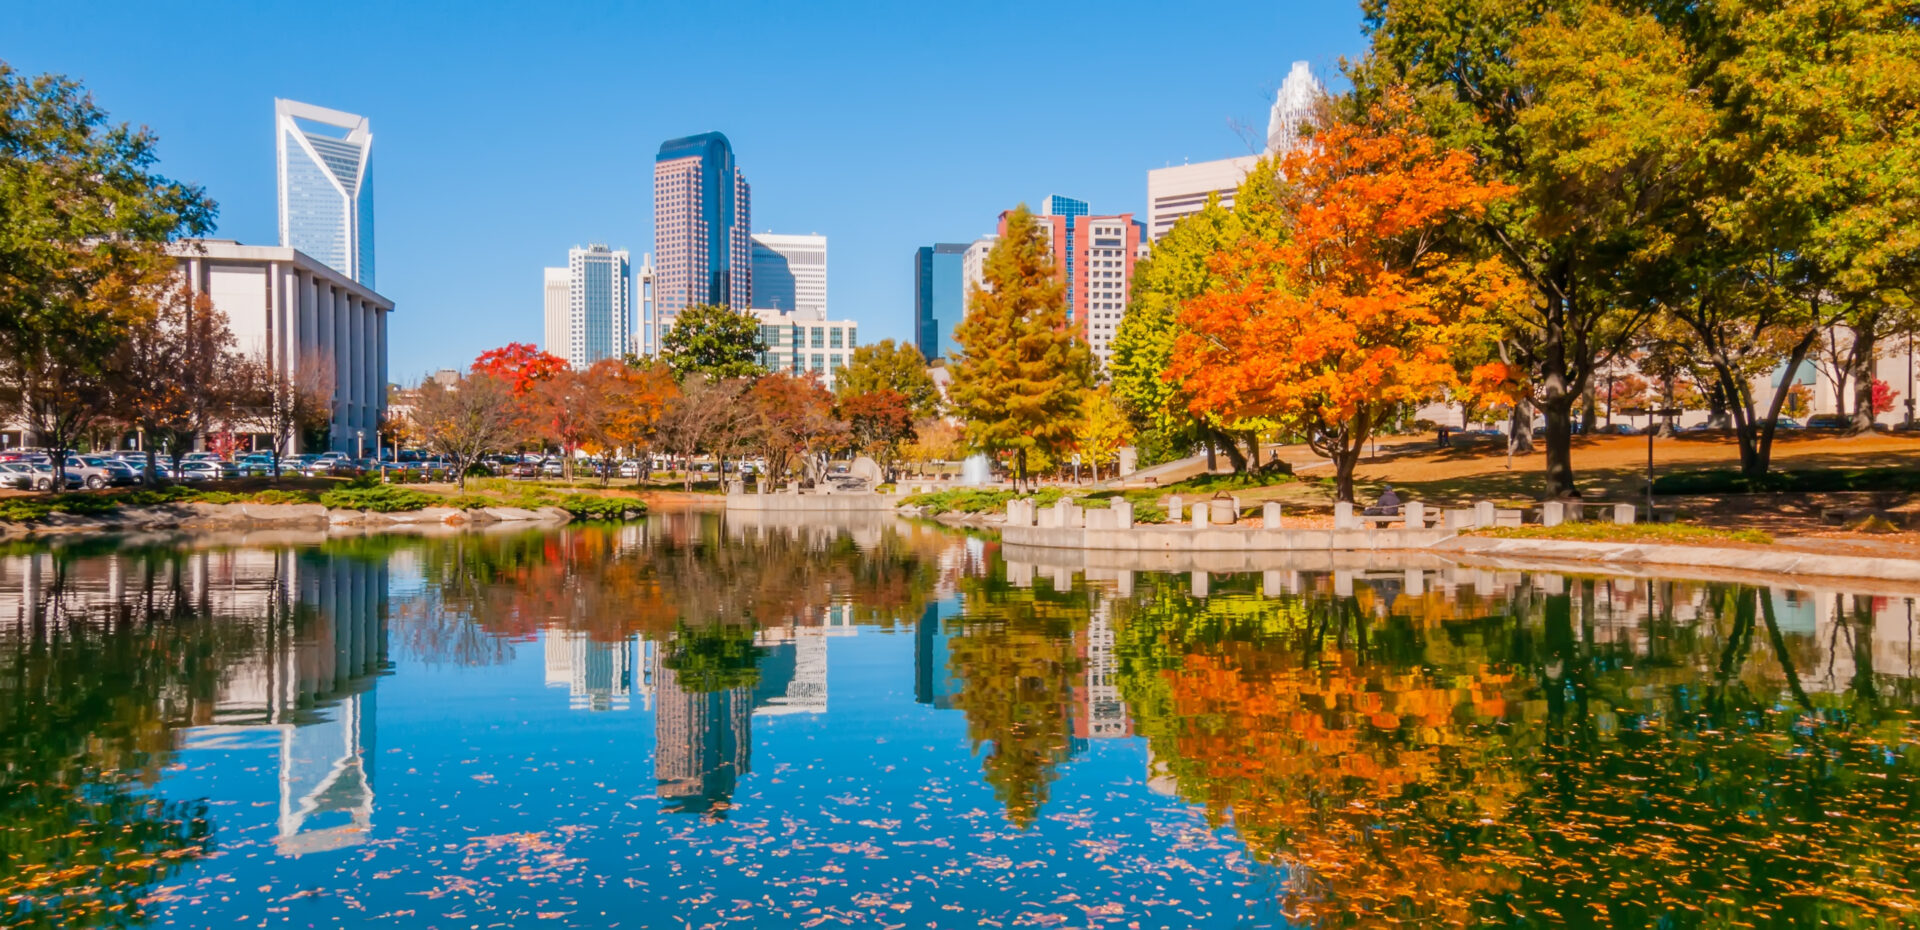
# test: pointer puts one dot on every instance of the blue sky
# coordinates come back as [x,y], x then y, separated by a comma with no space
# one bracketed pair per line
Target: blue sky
[505,133]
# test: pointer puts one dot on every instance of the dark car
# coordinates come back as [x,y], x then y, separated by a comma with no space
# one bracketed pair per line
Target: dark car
[1828,421]
[524,470]
[1618,429]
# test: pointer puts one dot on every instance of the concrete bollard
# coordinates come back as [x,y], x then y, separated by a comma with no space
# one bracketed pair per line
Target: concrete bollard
[1223,512]
[1062,579]
[1020,574]
[1576,511]
[1175,513]
[736,486]
[1553,513]
[1122,514]
[1270,515]
[1343,583]
[1554,585]
[1343,516]
[1623,513]
[1123,582]
[1483,515]
[1270,583]
[1200,580]
[1416,582]
[1200,515]
[1415,514]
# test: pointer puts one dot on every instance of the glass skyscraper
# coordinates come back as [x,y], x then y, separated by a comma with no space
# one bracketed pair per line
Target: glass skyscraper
[701,216]
[1056,205]
[939,296]
[326,186]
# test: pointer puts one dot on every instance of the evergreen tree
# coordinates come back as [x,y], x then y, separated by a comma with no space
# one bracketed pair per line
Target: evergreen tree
[1020,369]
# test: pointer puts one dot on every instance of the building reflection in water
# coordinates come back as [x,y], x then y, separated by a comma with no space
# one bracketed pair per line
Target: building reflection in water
[307,694]
[308,637]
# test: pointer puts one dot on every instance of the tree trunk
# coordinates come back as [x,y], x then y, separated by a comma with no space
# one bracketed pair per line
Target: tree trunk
[1558,413]
[1253,449]
[1860,359]
[1345,460]
[1520,432]
[1556,402]
[1590,410]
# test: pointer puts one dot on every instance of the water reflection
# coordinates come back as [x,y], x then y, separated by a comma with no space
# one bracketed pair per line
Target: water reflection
[1379,740]
[116,660]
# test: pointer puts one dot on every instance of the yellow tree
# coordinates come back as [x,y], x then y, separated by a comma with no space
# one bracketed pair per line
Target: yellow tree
[1350,308]
[1103,428]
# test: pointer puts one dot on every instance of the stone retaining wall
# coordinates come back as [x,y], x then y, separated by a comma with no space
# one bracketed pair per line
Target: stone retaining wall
[1151,538]
[789,502]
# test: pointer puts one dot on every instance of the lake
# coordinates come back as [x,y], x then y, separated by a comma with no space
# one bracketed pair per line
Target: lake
[697,722]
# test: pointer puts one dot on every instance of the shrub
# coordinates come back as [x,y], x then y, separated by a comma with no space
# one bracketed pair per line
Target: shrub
[595,507]
[977,500]
[1628,532]
[1728,481]
[378,499]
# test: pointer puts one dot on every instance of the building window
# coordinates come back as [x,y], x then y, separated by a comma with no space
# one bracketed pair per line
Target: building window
[819,339]
[834,338]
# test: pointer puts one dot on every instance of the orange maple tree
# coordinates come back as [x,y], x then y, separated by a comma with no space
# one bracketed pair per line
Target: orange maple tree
[1351,307]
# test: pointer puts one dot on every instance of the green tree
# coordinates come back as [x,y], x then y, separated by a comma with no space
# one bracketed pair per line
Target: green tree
[715,341]
[1592,160]
[84,227]
[890,366]
[1020,369]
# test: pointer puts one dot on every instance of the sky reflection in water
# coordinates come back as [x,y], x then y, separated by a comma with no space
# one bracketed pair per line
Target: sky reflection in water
[692,723]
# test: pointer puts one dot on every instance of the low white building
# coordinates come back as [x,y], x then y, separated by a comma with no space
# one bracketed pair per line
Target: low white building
[296,310]
[1182,190]
[797,343]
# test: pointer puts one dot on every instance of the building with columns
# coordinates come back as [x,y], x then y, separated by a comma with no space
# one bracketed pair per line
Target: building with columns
[296,310]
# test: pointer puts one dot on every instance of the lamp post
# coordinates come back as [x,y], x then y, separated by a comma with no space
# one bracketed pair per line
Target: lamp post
[1651,413]
[359,444]
[1910,380]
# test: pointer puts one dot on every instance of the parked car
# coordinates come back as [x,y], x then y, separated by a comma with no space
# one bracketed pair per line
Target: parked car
[524,470]
[91,475]
[25,477]
[1618,429]
[118,471]
[329,467]
[553,468]
[200,457]
[1787,423]
[1828,421]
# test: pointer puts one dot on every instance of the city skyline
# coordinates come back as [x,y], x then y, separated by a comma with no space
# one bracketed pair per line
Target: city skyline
[463,222]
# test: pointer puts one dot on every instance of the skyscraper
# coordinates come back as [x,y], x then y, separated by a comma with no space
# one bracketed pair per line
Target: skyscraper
[1067,209]
[939,296]
[790,274]
[1096,263]
[701,217]
[326,186]
[1293,108]
[599,307]
[556,289]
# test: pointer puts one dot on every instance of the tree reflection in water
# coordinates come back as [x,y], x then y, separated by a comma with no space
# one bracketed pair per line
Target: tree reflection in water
[110,658]
[1537,757]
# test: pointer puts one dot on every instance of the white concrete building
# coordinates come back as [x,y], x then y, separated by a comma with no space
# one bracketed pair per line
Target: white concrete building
[597,320]
[1181,190]
[558,332]
[296,310]
[799,345]
[790,273]
[973,269]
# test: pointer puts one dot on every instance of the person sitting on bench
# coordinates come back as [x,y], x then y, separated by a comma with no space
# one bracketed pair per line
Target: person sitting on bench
[1387,506]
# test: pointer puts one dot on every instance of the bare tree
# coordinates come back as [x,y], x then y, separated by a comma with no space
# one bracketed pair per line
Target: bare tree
[706,410]
[173,371]
[466,420]
[286,405]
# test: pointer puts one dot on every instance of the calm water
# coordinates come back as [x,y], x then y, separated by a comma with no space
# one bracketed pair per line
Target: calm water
[698,724]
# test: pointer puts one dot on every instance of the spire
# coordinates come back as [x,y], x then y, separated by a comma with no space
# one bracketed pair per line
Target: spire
[1292,108]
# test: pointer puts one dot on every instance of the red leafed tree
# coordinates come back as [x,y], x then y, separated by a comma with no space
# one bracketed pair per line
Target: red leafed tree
[1350,308]
[880,420]
[1884,397]
[520,365]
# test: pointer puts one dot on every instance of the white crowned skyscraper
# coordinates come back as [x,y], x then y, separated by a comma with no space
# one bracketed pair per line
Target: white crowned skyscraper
[326,186]
[598,313]
[1293,108]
